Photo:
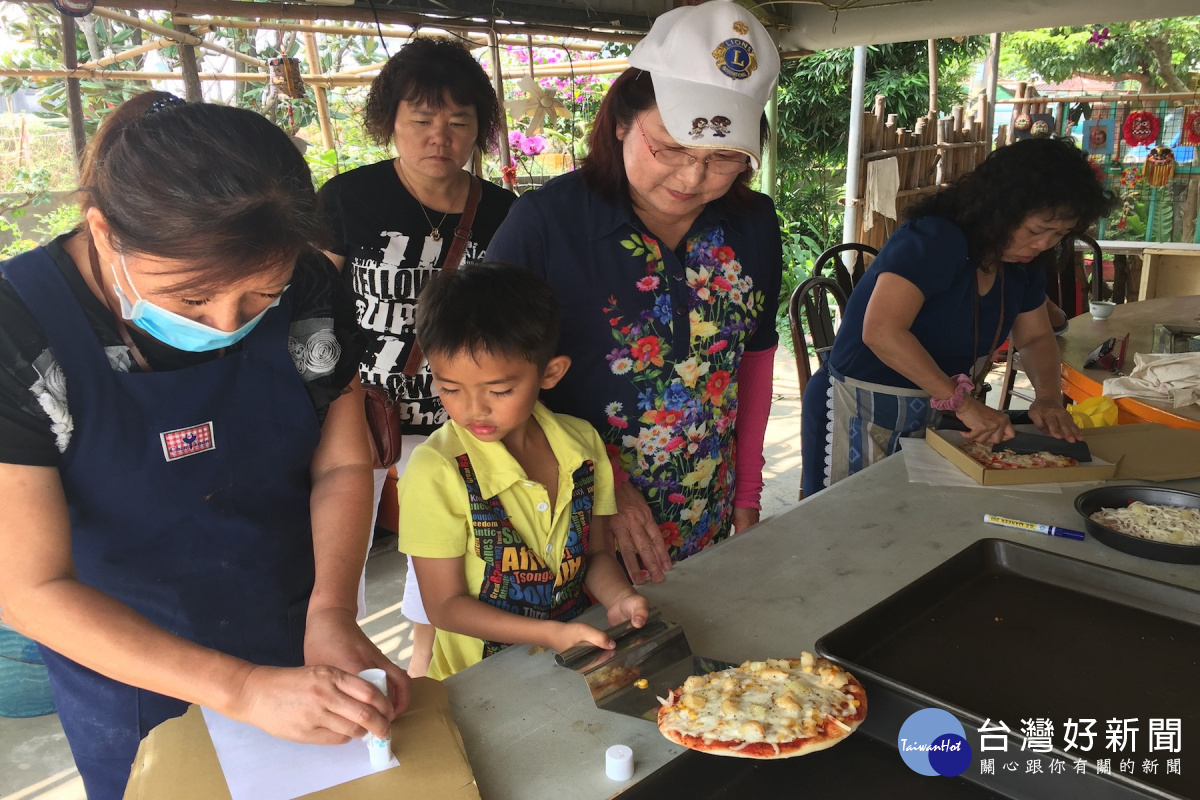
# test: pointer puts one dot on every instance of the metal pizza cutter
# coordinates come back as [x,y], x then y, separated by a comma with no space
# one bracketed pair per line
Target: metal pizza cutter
[647,663]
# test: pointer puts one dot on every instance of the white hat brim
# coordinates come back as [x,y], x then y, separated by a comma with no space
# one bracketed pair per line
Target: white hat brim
[682,102]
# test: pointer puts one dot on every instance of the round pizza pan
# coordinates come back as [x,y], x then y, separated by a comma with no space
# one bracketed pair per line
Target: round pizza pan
[1093,500]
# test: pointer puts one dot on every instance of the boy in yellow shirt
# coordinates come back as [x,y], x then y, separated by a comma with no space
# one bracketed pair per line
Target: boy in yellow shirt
[505,508]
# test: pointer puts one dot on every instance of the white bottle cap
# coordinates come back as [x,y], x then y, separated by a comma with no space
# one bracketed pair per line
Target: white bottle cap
[380,750]
[377,678]
[618,762]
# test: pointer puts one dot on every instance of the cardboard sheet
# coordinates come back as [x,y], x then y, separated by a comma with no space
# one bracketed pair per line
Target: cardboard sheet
[177,760]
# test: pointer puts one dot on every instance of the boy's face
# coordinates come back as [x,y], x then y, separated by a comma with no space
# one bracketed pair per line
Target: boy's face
[492,396]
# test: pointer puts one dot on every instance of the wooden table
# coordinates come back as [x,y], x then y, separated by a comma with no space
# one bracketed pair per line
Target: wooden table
[1138,320]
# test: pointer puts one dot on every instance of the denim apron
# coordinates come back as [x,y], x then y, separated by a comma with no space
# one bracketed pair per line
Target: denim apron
[188,492]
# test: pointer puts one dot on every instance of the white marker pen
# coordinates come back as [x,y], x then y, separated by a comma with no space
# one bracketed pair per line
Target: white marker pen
[380,750]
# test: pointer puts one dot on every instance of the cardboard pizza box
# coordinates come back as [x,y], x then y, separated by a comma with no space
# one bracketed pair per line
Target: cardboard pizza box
[948,443]
[177,760]
[1145,452]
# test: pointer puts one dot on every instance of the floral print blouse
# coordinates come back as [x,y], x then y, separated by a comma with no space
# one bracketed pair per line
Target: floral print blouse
[656,338]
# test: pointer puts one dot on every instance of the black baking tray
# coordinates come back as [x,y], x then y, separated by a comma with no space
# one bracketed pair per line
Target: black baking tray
[1007,632]
[858,768]
[1091,501]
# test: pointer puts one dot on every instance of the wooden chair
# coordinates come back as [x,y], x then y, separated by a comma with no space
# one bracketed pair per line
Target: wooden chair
[846,278]
[809,311]
[1098,289]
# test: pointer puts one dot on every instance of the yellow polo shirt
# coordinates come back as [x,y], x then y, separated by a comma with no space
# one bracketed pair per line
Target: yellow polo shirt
[435,511]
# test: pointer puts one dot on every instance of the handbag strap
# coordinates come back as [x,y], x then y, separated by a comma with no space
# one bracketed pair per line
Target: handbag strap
[454,254]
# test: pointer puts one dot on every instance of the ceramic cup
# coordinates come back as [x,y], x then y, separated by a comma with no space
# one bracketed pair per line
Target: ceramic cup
[1101,309]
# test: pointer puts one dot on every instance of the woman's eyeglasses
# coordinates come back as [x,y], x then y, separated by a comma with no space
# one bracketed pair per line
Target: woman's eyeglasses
[678,157]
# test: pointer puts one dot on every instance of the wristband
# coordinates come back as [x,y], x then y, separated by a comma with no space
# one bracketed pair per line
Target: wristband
[962,386]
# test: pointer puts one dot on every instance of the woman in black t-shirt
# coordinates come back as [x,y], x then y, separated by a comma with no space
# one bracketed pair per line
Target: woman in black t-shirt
[393,222]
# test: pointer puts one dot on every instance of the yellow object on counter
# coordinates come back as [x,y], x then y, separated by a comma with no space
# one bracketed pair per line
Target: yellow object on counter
[1094,412]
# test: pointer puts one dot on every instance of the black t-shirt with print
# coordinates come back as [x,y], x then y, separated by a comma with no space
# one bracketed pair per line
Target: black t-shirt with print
[383,233]
[28,434]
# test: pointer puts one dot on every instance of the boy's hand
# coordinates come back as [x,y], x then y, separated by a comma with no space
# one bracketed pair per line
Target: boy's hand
[570,634]
[629,606]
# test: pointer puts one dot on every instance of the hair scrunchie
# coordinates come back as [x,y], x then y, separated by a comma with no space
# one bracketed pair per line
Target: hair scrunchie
[962,387]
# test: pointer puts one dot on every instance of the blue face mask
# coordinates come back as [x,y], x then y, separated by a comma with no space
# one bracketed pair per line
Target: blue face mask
[173,329]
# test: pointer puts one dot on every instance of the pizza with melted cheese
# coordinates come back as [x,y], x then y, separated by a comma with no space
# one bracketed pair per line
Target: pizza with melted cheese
[778,708]
[997,457]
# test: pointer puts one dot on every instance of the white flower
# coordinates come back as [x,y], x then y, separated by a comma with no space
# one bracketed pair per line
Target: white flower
[322,351]
[50,391]
[622,365]
[613,410]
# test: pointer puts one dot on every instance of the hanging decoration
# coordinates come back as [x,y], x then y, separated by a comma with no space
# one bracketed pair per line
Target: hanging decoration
[1130,178]
[1041,125]
[1190,135]
[542,106]
[1160,167]
[74,8]
[285,75]
[1098,137]
[1141,127]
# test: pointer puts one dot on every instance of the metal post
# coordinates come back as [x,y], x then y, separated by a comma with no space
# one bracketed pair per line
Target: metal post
[192,91]
[933,80]
[74,99]
[769,180]
[854,148]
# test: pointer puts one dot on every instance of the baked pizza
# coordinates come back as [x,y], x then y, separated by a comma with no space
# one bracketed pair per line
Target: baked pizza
[992,458]
[778,708]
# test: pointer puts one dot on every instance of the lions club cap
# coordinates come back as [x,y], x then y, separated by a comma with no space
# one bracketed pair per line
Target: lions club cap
[714,67]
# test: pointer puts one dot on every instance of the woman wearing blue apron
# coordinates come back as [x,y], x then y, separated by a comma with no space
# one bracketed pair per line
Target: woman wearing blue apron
[183,457]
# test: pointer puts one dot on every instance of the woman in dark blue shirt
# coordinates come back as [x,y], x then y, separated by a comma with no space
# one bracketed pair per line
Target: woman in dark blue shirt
[668,269]
[920,328]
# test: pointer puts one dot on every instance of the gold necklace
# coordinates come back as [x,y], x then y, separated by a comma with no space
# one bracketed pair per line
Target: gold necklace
[435,231]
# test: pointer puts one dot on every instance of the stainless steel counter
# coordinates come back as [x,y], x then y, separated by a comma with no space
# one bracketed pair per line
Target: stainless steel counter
[531,728]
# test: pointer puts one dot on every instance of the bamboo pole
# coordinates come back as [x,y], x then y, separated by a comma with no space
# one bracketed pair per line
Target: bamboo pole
[993,76]
[181,36]
[314,63]
[134,52]
[1101,97]
[599,66]
[328,81]
[402,32]
[498,82]
[307,11]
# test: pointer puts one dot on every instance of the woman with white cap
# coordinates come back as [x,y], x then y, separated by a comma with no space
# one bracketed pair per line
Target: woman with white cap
[668,267]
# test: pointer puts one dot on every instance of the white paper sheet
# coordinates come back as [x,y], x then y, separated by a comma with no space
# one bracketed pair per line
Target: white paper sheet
[258,766]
